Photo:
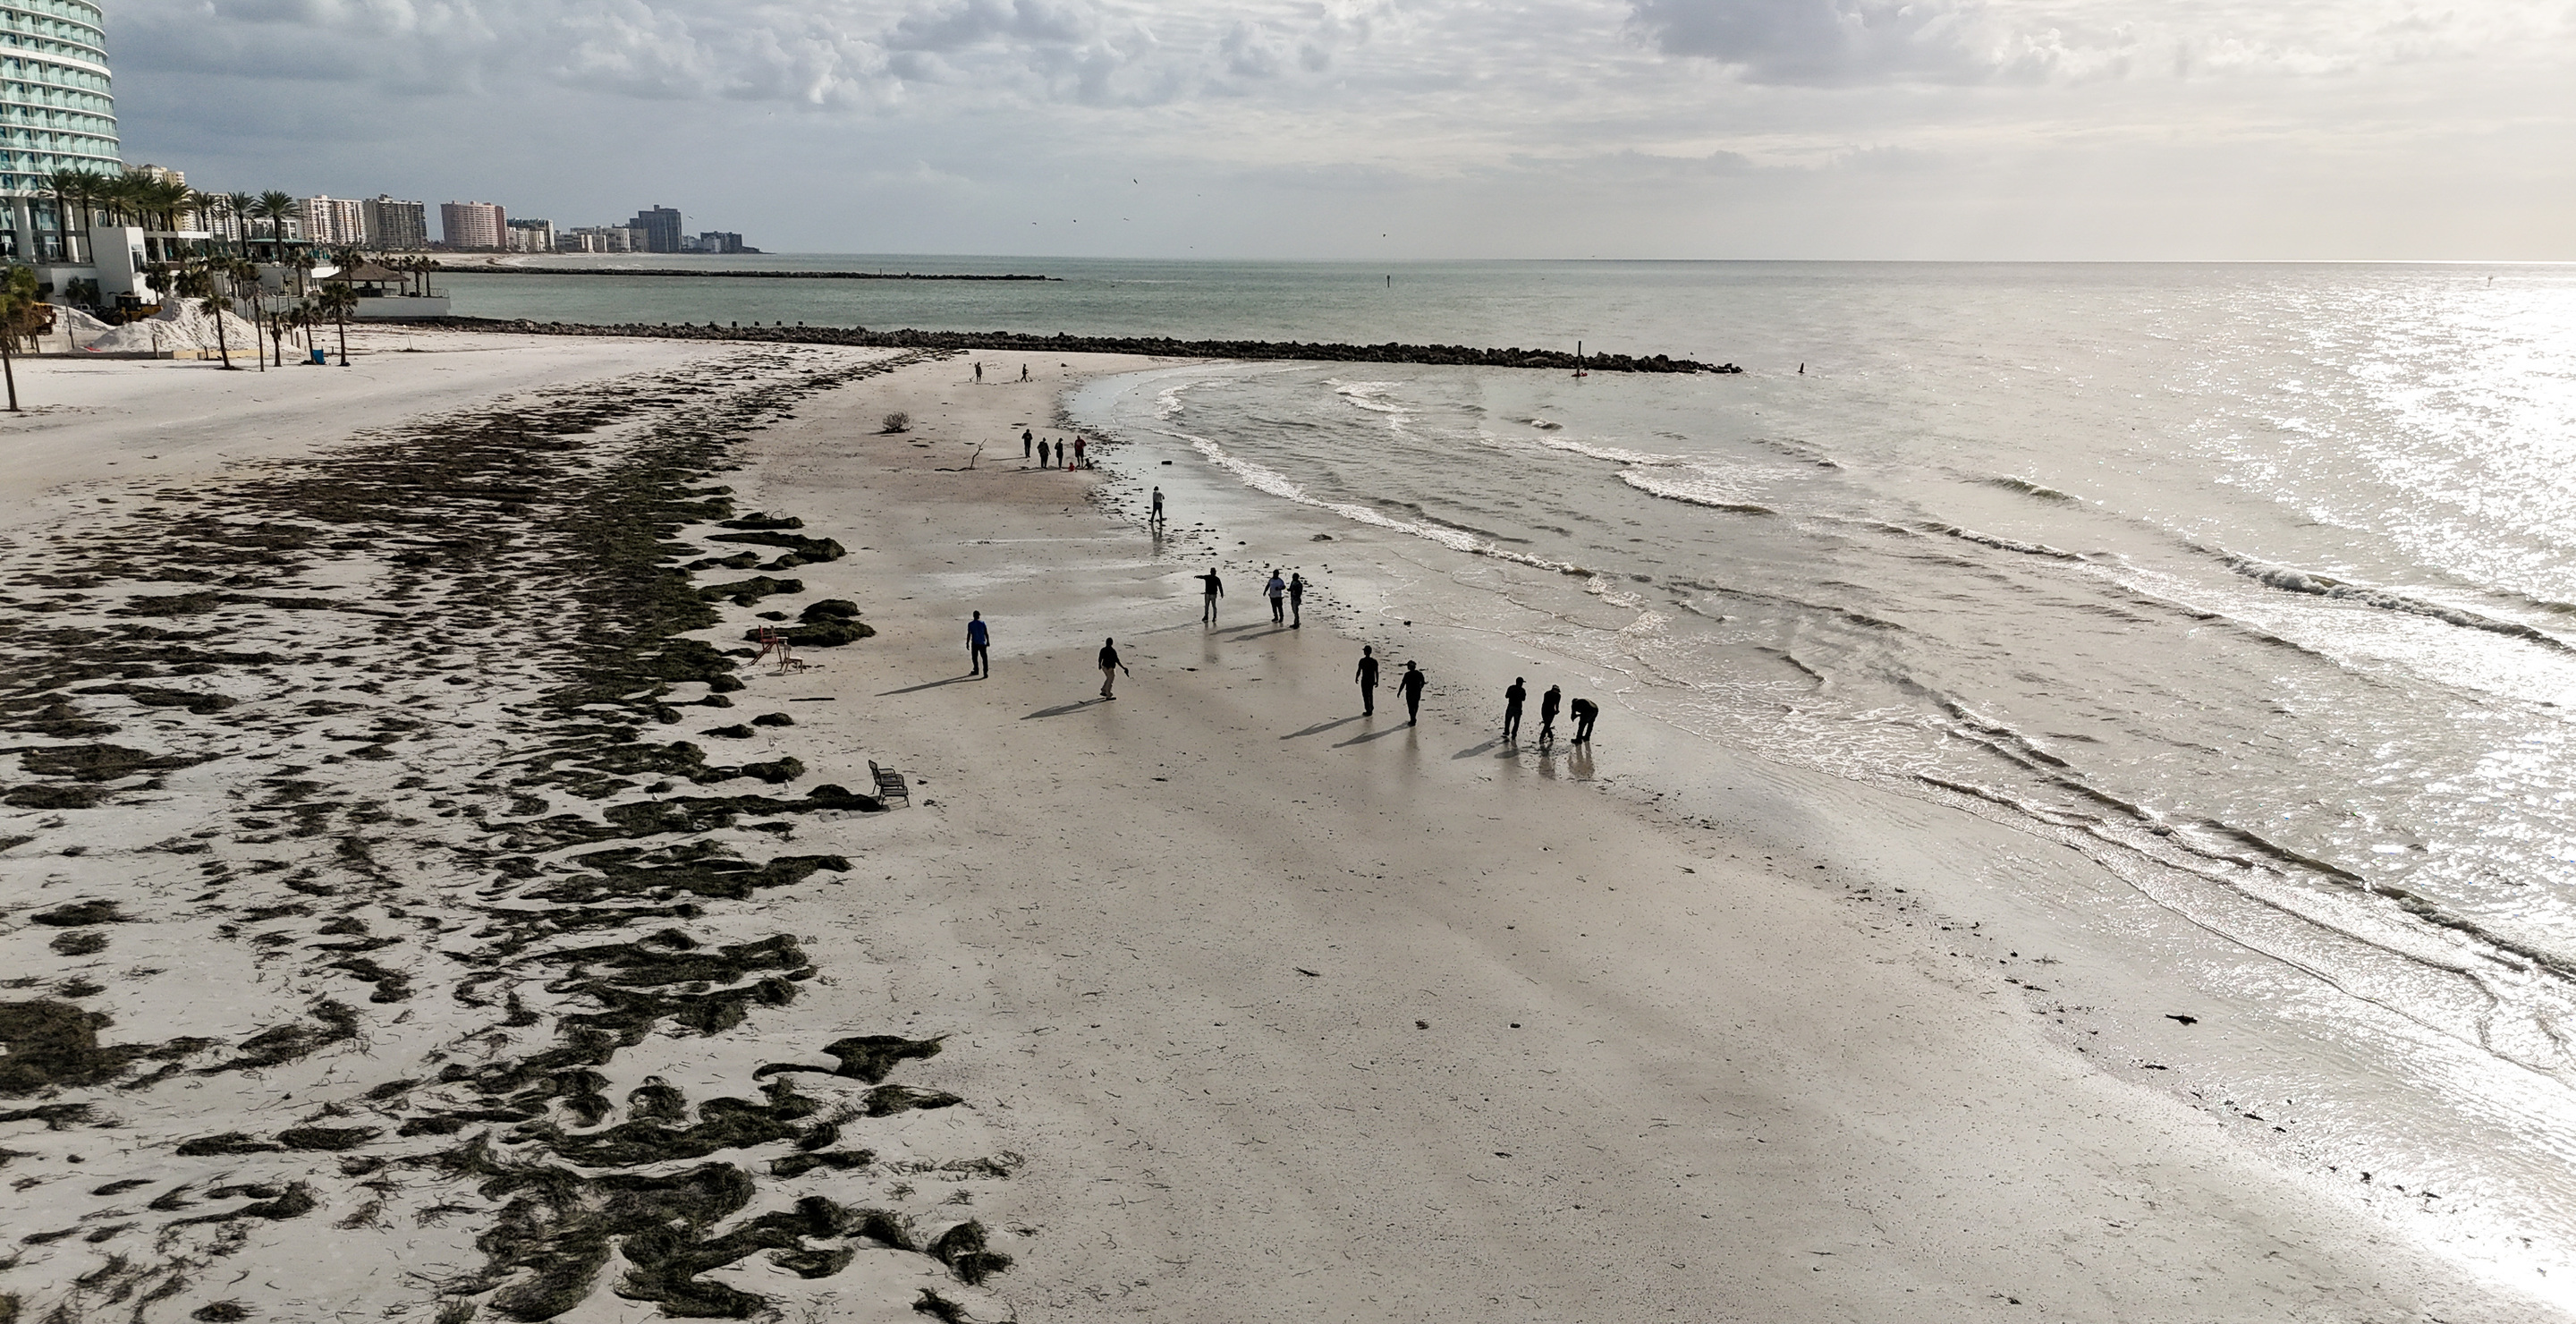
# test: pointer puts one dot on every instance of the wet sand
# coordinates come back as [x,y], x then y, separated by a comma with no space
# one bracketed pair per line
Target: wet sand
[412,907]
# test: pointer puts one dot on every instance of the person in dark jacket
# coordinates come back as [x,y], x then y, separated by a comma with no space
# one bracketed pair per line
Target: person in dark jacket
[1513,698]
[1547,705]
[1410,686]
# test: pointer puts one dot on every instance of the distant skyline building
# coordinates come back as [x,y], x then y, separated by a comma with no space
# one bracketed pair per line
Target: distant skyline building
[394,225]
[529,235]
[719,241]
[482,225]
[661,226]
[601,239]
[57,112]
[339,222]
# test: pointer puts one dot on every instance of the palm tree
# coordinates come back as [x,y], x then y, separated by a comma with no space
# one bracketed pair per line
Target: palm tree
[239,207]
[216,306]
[18,303]
[277,209]
[69,188]
[339,299]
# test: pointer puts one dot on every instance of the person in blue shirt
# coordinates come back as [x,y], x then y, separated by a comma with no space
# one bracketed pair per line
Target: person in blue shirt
[978,639]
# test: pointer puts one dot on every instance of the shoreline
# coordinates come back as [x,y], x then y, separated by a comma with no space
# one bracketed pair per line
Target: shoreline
[1211,1001]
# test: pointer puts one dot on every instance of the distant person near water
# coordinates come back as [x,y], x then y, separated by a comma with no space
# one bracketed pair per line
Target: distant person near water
[1277,591]
[1158,506]
[979,638]
[1027,439]
[1367,677]
[1078,447]
[1547,713]
[1296,600]
[1513,698]
[1210,589]
[1410,686]
[1024,372]
[1110,666]
[1585,712]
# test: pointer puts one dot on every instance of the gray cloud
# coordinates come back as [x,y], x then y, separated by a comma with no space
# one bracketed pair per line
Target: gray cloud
[1830,42]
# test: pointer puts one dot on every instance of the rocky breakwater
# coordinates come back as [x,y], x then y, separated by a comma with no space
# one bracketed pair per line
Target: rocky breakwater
[1067,343]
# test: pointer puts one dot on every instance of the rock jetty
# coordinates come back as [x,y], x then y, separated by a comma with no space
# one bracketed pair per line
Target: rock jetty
[1065,343]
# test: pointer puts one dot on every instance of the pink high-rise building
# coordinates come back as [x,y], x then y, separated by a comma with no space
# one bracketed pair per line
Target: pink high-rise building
[473,224]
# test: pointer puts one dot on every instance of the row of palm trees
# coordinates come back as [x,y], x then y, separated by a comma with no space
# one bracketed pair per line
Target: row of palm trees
[157,201]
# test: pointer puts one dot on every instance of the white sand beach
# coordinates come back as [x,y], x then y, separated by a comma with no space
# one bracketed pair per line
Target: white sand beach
[1245,1007]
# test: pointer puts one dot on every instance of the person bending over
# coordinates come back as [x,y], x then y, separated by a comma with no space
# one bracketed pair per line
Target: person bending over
[1584,712]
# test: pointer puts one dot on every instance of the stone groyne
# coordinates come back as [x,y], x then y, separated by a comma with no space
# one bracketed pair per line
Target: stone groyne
[1016,342]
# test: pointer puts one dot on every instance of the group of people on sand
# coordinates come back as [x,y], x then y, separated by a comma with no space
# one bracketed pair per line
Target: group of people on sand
[979,373]
[1031,448]
[1287,593]
[1414,681]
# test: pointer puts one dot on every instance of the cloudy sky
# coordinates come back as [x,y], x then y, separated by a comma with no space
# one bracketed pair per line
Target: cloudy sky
[1406,128]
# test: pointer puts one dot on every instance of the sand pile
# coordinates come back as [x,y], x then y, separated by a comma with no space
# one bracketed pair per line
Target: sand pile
[181,325]
[79,323]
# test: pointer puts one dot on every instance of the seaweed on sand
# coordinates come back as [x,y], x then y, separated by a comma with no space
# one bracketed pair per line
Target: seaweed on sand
[962,1249]
[81,914]
[55,1043]
[868,1057]
[746,592]
[98,763]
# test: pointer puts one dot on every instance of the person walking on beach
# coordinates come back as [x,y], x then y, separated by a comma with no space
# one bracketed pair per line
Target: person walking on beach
[1158,506]
[1024,372]
[1367,677]
[1027,439]
[1277,589]
[978,639]
[1513,698]
[1296,600]
[1079,445]
[1110,666]
[979,374]
[1410,686]
[1585,712]
[1547,713]
[1210,589]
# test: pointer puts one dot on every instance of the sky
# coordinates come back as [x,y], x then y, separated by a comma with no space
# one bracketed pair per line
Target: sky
[1406,129]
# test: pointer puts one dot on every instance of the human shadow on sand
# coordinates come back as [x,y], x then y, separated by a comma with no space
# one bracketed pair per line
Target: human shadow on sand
[1067,708]
[929,685]
[1319,728]
[1373,735]
[1473,750]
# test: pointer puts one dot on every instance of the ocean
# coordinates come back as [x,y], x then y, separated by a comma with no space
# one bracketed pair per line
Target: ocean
[2250,583]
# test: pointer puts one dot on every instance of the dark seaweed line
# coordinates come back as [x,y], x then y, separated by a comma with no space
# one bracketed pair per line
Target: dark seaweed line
[459,509]
[1066,343]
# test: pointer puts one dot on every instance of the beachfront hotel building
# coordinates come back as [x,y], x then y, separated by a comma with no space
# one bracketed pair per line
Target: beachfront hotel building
[476,225]
[57,112]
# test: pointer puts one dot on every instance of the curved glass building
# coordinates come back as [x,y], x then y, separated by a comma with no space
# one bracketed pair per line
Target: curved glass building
[57,110]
